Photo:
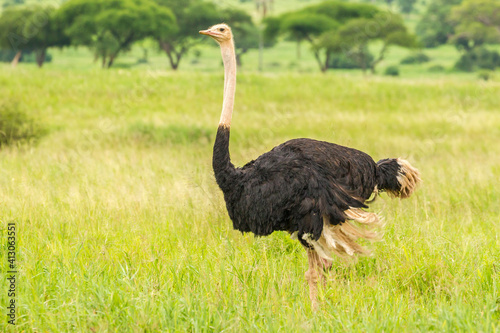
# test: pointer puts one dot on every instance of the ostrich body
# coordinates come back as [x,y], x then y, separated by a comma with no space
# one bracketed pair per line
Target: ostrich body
[314,190]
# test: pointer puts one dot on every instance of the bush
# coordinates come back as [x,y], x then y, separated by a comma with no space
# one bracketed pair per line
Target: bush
[415,58]
[392,71]
[31,57]
[485,75]
[478,58]
[16,126]
[350,61]
[436,69]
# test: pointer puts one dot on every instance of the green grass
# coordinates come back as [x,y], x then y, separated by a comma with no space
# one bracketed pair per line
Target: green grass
[121,226]
[279,59]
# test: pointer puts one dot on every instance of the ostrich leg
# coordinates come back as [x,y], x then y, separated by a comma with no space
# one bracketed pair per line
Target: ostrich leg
[318,267]
[312,275]
[327,266]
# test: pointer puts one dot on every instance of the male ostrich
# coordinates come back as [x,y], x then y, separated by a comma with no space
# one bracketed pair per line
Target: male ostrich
[315,190]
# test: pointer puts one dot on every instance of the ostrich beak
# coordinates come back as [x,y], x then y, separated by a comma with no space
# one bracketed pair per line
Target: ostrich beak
[206,32]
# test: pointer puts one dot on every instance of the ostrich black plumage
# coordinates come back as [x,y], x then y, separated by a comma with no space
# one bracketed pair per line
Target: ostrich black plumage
[315,190]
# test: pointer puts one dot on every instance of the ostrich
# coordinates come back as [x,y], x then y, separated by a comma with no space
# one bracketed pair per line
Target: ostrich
[314,190]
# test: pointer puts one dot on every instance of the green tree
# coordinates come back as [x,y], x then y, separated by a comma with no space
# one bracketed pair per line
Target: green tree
[325,47]
[8,3]
[272,26]
[246,33]
[476,22]
[109,27]
[406,6]
[306,26]
[342,11]
[355,37]
[30,29]
[195,15]
[247,36]
[317,24]
[434,27]
[192,16]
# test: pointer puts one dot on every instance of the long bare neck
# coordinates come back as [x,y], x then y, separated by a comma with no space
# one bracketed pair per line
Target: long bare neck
[229,59]
[224,170]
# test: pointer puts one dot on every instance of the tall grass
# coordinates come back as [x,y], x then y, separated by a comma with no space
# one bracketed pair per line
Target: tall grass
[16,127]
[121,226]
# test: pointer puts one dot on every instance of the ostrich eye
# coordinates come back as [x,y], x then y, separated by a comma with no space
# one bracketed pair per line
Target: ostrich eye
[222,29]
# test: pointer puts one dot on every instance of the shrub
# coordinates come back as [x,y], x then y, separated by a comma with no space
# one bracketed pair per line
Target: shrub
[31,58]
[478,58]
[16,126]
[415,58]
[392,71]
[484,75]
[351,60]
[436,68]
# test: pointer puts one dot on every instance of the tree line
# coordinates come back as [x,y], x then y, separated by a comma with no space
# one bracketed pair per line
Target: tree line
[469,25]
[340,34]
[342,30]
[110,27]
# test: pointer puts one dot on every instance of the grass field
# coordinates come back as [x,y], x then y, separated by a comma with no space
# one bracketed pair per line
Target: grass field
[281,59]
[121,227]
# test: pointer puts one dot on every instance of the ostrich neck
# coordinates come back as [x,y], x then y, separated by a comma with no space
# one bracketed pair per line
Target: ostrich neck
[224,170]
[229,59]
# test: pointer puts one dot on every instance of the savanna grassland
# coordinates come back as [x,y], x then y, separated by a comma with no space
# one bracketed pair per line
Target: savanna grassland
[121,227]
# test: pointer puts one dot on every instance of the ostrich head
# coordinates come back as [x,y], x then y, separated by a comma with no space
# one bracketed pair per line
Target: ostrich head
[220,32]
